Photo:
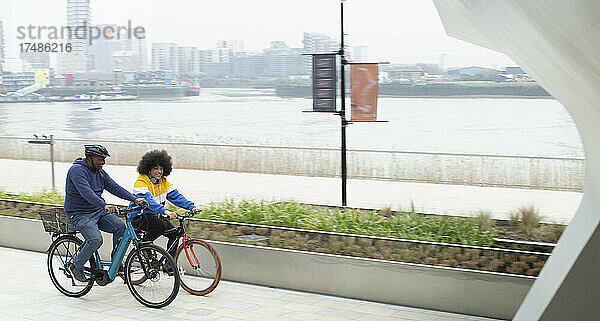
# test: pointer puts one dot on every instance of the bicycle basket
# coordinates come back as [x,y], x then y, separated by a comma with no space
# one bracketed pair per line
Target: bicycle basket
[55,220]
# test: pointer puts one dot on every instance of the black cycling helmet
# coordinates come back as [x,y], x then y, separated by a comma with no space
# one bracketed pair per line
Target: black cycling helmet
[96,150]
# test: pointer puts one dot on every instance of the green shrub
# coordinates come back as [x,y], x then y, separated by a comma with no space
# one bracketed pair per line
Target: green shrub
[386,211]
[483,219]
[45,196]
[409,225]
[530,218]
[527,218]
[399,225]
[553,231]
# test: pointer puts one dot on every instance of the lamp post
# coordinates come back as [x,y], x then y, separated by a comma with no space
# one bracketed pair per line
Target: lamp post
[47,141]
[344,122]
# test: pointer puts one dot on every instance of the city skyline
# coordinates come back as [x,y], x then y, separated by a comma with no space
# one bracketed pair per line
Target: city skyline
[396,35]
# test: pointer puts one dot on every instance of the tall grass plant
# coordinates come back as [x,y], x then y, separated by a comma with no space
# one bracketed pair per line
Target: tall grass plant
[404,225]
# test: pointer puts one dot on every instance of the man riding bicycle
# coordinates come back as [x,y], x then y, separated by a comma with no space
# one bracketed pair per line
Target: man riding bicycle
[87,210]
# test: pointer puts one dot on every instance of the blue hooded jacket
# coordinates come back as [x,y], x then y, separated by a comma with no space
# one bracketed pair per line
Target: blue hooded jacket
[84,188]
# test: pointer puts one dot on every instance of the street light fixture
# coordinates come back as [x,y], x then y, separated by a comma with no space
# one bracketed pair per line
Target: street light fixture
[47,141]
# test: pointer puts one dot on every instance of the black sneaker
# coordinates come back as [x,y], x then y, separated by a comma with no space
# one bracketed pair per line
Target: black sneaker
[77,273]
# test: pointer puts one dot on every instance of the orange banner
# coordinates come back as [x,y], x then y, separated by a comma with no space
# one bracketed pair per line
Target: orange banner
[364,84]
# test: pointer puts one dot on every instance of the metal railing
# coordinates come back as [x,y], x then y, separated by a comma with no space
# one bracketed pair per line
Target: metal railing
[565,174]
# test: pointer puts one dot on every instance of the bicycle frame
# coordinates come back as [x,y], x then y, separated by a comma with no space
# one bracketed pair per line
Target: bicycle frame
[181,234]
[195,260]
[185,237]
[117,259]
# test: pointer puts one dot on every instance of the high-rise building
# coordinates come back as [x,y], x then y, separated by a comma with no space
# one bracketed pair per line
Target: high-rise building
[225,50]
[1,44]
[68,63]
[165,57]
[124,61]
[203,58]
[248,65]
[220,55]
[103,49]
[233,45]
[317,43]
[141,53]
[187,59]
[35,60]
[78,15]
[361,54]
[282,61]
[138,47]
[79,21]
[1,50]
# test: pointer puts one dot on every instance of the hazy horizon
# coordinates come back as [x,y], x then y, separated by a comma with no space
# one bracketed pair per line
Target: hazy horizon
[400,32]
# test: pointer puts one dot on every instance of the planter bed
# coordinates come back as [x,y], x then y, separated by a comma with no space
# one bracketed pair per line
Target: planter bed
[409,251]
[390,249]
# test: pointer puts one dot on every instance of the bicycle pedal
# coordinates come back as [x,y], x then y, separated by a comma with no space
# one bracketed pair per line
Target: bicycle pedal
[76,283]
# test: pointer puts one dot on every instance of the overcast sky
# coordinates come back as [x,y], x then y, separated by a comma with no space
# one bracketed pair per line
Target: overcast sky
[398,31]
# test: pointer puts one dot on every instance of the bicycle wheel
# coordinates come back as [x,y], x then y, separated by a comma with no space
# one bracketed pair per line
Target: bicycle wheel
[60,255]
[139,273]
[199,267]
[161,287]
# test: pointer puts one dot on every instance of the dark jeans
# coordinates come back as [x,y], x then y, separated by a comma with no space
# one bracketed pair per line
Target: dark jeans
[155,226]
[90,226]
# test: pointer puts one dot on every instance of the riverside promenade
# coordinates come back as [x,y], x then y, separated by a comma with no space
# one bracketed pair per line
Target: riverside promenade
[204,187]
[28,294]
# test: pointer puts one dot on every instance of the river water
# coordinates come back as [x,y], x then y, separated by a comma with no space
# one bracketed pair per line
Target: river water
[538,127]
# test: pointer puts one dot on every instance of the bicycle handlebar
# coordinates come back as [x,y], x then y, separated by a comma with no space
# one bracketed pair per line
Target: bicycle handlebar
[187,214]
[125,211]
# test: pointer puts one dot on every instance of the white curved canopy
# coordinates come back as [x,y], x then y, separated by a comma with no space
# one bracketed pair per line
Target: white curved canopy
[558,43]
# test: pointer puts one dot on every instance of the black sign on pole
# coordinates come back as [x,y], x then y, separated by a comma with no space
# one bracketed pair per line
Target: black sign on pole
[324,82]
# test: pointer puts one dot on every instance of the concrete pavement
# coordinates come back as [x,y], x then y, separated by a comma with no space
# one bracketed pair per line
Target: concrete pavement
[26,293]
[205,186]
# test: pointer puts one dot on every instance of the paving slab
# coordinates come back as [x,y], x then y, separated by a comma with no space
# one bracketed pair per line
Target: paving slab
[28,274]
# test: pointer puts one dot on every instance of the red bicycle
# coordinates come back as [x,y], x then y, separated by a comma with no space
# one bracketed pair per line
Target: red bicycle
[197,261]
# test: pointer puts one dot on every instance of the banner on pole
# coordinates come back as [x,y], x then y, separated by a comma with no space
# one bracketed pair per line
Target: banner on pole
[364,87]
[324,82]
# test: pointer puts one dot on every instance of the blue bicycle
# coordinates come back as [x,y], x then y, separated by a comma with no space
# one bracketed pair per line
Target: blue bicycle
[145,261]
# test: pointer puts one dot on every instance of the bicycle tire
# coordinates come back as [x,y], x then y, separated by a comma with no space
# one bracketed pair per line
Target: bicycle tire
[139,281]
[148,258]
[142,278]
[198,280]
[69,245]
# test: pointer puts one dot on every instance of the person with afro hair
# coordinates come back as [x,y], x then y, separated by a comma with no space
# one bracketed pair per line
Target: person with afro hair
[153,186]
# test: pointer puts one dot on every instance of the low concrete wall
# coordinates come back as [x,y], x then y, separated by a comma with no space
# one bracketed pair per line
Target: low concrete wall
[28,234]
[475,293]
